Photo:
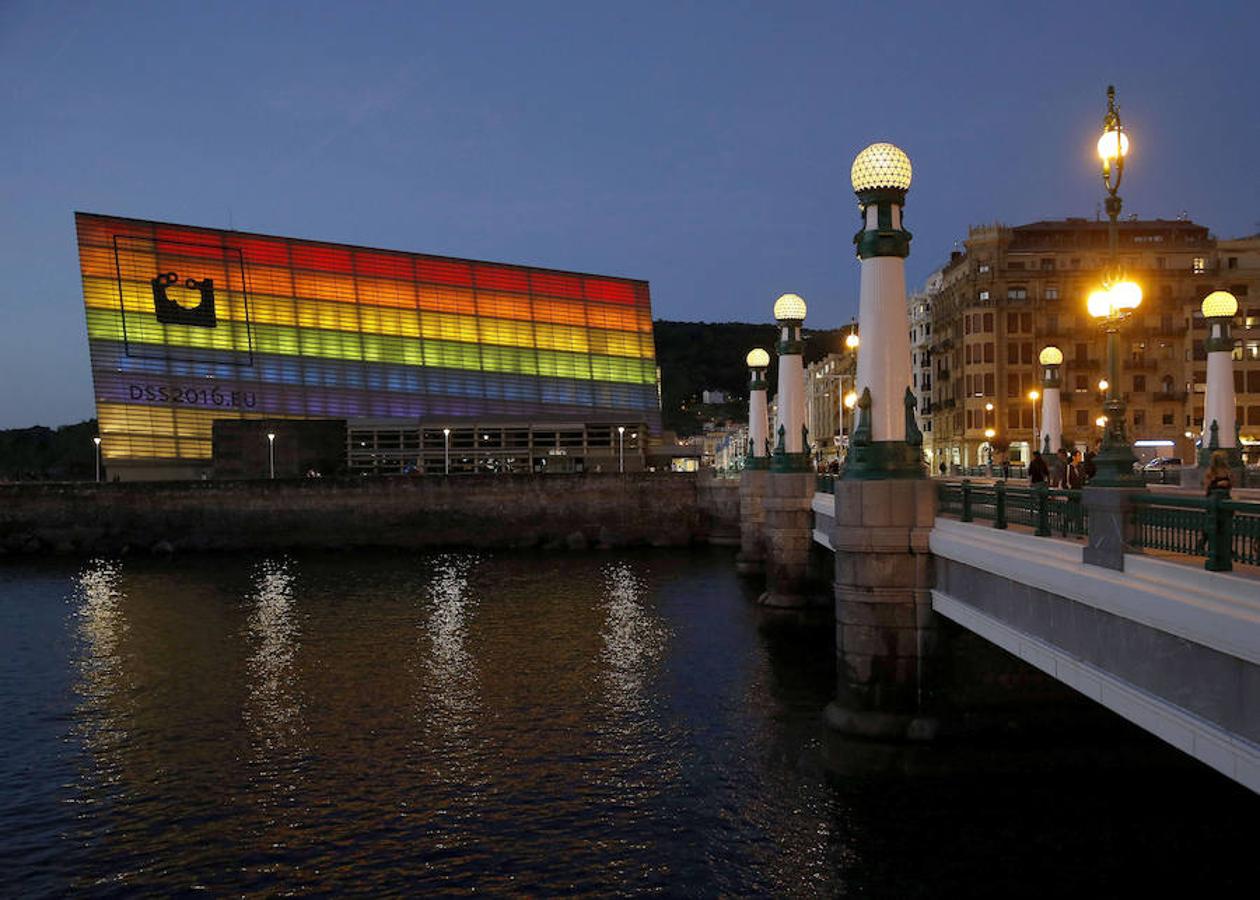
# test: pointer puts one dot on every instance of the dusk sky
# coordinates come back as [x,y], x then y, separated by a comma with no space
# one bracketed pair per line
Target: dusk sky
[704,147]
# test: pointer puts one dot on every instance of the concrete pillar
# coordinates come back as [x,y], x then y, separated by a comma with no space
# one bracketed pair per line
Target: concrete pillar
[751,559]
[789,430]
[789,540]
[1051,412]
[758,419]
[1111,527]
[885,627]
[886,442]
[1220,430]
[885,509]
[789,486]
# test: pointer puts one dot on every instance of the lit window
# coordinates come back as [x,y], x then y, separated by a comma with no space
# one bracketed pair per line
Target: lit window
[1052,293]
[1200,265]
[984,267]
[1017,293]
[984,295]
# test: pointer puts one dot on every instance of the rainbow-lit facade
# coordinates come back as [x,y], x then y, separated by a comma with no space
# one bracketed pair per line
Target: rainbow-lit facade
[187,325]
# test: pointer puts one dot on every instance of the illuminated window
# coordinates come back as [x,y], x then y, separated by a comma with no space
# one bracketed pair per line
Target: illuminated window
[1199,265]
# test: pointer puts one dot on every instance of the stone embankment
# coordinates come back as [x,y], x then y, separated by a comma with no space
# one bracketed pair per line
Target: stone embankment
[553,511]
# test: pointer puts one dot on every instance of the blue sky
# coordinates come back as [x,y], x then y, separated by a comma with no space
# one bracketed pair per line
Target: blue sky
[702,146]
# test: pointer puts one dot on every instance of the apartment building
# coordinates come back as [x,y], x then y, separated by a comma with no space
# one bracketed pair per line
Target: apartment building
[1014,290]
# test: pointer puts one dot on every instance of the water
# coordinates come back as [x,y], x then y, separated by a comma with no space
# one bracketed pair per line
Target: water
[536,724]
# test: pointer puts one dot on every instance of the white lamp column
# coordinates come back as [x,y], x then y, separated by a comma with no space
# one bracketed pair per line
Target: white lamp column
[887,442]
[758,419]
[1219,423]
[1051,436]
[790,452]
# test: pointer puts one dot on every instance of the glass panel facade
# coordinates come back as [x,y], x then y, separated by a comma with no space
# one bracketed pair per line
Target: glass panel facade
[187,325]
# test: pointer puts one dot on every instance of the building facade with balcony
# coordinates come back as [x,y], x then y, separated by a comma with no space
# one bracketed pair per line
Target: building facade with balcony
[1014,290]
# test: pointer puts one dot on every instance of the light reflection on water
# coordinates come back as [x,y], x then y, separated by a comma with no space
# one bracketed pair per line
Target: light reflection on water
[634,638]
[487,722]
[274,708]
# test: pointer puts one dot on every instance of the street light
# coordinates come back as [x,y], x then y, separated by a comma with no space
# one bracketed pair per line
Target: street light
[852,341]
[850,402]
[97,441]
[989,434]
[621,448]
[1033,396]
[271,453]
[1219,413]
[1103,384]
[446,439]
[1111,305]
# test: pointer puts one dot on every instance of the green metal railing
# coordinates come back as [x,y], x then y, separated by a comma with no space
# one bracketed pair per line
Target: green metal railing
[1047,511]
[1221,530]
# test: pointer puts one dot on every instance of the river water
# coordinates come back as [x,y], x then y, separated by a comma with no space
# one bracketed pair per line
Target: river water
[539,724]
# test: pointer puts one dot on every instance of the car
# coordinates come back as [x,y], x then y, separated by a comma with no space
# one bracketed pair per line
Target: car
[1162,462]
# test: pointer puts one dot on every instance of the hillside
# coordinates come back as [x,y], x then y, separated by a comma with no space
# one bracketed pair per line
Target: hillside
[699,356]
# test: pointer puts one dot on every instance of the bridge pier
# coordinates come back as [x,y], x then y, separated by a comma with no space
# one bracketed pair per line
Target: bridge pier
[789,538]
[885,633]
[751,559]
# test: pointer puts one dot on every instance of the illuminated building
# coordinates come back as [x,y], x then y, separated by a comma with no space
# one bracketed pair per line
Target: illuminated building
[191,325]
[1012,291]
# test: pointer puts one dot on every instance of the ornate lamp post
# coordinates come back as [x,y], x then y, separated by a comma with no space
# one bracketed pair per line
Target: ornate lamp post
[1112,305]
[1220,430]
[1033,396]
[97,441]
[887,442]
[271,453]
[790,453]
[758,361]
[1051,414]
[446,442]
[850,403]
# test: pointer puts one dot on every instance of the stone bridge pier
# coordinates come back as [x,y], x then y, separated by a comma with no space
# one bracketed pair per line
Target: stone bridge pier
[885,636]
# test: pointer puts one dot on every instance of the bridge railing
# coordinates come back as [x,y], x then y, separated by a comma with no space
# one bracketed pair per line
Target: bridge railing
[1046,510]
[1219,530]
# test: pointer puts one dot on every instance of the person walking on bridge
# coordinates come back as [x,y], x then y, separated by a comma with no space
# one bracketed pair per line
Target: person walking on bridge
[1038,471]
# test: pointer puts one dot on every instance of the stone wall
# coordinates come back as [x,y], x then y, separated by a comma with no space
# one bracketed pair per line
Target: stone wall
[658,509]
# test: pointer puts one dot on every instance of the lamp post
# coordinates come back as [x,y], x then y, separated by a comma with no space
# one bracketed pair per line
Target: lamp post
[758,360]
[850,403]
[97,441]
[1033,396]
[271,454]
[989,435]
[1112,305]
[887,442]
[1051,414]
[790,453]
[1220,430]
[446,440]
[621,448]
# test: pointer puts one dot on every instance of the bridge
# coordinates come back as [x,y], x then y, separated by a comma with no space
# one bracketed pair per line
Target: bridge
[1147,603]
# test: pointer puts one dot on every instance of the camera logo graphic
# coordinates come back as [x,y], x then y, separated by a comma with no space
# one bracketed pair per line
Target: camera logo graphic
[173,312]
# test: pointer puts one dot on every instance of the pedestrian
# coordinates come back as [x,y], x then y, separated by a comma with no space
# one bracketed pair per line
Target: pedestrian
[1217,477]
[1038,471]
[1058,468]
[1075,477]
[1006,466]
[942,467]
[1090,468]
